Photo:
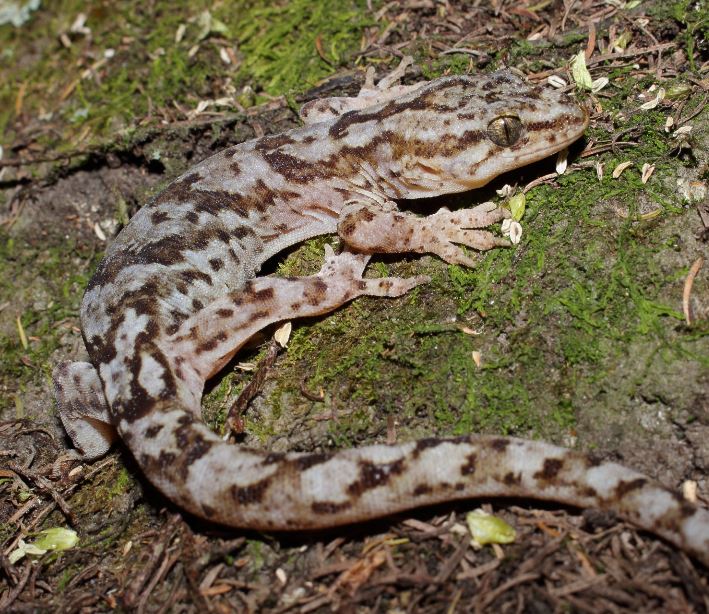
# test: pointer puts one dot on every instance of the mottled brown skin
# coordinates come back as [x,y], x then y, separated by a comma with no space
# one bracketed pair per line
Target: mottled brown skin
[177,295]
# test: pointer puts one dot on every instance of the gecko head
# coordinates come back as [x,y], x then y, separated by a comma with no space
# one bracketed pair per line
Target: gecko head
[473,128]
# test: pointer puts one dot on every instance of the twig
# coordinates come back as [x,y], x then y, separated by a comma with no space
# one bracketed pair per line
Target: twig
[134,593]
[15,592]
[629,54]
[492,595]
[238,408]
[567,12]
[166,565]
[466,50]
[44,486]
[316,397]
[606,147]
[697,111]
[56,158]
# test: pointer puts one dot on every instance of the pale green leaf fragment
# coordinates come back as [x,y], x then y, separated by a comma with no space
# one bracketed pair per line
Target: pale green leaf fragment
[517,204]
[208,24]
[56,538]
[580,73]
[632,4]
[622,41]
[678,90]
[488,529]
[23,548]
[21,332]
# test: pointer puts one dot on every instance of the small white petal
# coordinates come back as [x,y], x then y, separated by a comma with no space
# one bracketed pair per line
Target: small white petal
[689,490]
[618,170]
[562,161]
[99,232]
[599,84]
[505,191]
[651,104]
[646,172]
[681,131]
[513,230]
[282,577]
[282,335]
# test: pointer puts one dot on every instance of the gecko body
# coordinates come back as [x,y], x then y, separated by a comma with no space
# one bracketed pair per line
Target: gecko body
[177,295]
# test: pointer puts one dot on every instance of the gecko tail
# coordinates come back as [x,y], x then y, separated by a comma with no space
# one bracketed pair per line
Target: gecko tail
[248,488]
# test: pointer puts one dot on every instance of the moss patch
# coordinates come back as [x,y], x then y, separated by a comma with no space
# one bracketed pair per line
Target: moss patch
[130,63]
[42,286]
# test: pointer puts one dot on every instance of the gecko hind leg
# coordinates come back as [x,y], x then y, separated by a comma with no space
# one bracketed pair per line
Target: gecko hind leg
[83,409]
[387,89]
[207,341]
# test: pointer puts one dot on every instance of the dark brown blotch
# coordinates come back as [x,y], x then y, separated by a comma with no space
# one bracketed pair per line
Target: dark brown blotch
[425,444]
[512,479]
[500,444]
[550,469]
[624,487]
[159,216]
[310,460]
[469,466]
[373,475]
[316,292]
[211,344]
[422,489]
[254,493]
[329,507]
[192,444]
[152,431]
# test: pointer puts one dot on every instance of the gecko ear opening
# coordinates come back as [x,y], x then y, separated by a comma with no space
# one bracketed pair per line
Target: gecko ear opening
[505,130]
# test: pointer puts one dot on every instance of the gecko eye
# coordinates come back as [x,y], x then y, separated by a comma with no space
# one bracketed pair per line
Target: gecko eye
[504,130]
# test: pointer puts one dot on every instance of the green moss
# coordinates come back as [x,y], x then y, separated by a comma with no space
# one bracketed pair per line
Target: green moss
[279,41]
[37,279]
[694,20]
[122,483]
[89,97]
[456,64]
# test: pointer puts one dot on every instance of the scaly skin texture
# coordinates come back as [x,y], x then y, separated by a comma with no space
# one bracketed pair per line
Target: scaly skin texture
[176,296]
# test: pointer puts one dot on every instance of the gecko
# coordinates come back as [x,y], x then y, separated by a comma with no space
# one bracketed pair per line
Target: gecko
[177,295]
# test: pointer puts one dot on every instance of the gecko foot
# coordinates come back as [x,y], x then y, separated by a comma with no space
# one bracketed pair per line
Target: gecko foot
[441,231]
[344,270]
[83,409]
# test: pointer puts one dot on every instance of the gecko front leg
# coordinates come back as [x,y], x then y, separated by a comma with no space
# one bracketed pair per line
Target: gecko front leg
[372,229]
